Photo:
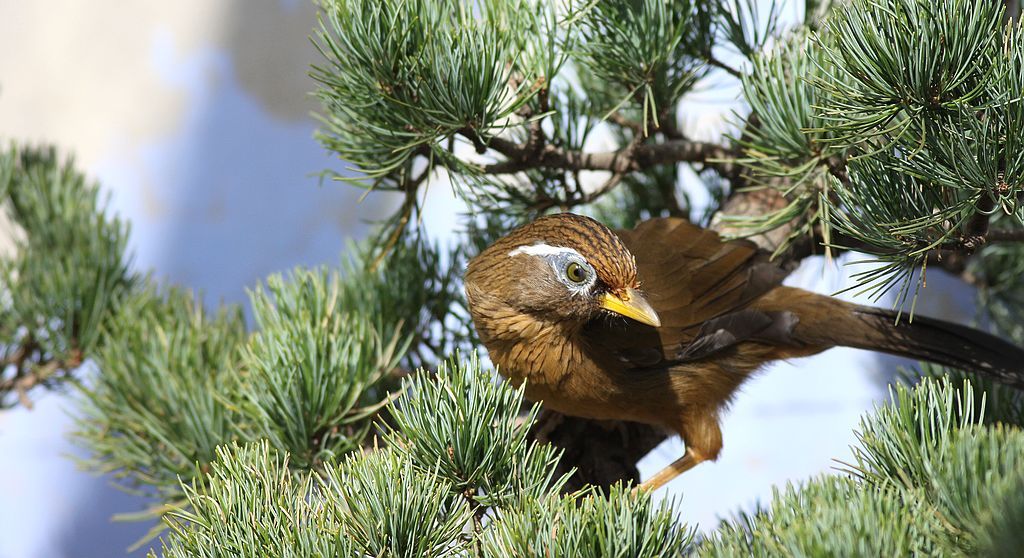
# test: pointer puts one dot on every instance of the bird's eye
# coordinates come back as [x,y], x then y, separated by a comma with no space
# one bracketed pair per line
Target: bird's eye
[575,272]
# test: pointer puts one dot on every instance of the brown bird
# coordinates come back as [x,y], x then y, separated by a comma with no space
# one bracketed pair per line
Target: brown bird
[662,324]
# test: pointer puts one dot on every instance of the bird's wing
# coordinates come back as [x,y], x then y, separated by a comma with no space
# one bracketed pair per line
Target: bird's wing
[701,288]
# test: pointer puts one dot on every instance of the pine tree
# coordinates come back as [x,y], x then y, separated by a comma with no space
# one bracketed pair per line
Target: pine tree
[354,418]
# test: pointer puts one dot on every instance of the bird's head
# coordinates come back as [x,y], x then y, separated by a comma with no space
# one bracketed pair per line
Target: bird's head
[560,267]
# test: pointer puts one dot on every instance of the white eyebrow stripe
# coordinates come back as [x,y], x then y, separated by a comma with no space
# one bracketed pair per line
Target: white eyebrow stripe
[542,249]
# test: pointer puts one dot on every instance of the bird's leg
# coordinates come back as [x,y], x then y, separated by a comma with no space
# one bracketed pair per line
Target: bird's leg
[688,461]
[703,438]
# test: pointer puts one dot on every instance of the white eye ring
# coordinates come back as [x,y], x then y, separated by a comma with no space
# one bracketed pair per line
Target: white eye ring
[565,262]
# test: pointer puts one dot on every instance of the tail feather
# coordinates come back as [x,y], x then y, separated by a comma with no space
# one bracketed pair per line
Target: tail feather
[823,322]
[933,340]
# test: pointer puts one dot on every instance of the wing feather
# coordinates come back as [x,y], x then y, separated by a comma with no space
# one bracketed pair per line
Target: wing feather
[692,278]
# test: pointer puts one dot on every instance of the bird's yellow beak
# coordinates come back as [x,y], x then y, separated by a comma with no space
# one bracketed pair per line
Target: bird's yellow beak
[630,304]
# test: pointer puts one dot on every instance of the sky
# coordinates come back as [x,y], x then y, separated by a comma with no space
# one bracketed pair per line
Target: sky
[195,118]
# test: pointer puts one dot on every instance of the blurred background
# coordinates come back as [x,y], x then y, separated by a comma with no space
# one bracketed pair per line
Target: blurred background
[196,118]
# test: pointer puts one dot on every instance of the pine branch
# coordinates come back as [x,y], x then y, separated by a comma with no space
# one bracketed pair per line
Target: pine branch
[520,157]
[836,165]
[67,275]
[1005,235]
[599,453]
[715,62]
[29,374]
[976,231]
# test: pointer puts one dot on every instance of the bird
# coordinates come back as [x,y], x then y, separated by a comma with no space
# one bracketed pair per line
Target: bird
[661,324]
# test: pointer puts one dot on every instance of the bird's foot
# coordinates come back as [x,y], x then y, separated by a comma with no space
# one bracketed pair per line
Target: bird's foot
[688,461]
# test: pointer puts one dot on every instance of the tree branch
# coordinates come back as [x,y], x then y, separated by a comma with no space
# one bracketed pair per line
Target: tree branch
[1005,235]
[602,452]
[970,243]
[976,232]
[715,62]
[520,158]
[29,373]
[837,168]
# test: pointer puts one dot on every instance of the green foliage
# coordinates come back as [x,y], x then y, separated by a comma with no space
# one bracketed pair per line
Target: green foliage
[1000,291]
[67,275]
[572,119]
[389,507]
[900,442]
[254,506]
[406,87]
[930,444]
[939,129]
[159,406]
[314,367]
[620,524]
[1000,267]
[894,130]
[970,486]
[414,288]
[466,427]
[466,484]
[830,516]
[890,126]
[908,61]
[400,77]
[1001,535]
[1001,404]
[788,144]
[789,139]
[177,381]
[742,25]
[644,52]
[891,218]
[930,478]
